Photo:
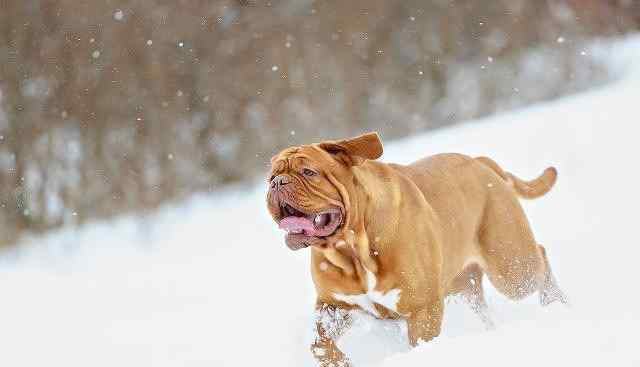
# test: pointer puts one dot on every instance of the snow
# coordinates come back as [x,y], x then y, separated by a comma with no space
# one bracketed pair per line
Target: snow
[118,15]
[210,282]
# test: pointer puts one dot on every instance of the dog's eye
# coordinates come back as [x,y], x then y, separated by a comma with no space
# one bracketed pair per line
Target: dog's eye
[309,172]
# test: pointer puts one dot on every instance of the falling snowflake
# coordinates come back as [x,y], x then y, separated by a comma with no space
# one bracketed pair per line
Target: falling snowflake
[95,54]
[490,59]
[170,156]
[118,15]
[287,45]
[180,44]
[412,18]
[560,39]
[293,132]
[149,42]
[420,72]
[274,68]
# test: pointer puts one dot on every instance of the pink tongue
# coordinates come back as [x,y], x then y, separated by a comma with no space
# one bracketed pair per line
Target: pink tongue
[297,224]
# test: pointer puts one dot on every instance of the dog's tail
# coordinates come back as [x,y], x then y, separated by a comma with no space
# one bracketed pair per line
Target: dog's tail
[525,189]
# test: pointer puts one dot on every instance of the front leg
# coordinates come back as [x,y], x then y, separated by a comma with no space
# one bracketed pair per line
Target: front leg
[331,323]
[424,324]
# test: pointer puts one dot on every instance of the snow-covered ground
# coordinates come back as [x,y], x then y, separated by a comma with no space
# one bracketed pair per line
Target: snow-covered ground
[211,283]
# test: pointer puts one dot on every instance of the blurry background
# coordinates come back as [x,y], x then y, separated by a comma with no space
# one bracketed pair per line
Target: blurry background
[111,107]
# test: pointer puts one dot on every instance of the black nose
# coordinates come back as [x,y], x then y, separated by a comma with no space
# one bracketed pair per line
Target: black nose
[279,181]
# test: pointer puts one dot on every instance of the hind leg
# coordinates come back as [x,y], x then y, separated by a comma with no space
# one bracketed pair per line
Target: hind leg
[549,291]
[469,285]
[516,265]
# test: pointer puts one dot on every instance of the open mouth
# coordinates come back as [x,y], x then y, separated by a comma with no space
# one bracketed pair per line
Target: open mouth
[307,229]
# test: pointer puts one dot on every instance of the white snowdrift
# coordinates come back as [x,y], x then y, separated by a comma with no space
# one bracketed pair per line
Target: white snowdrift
[211,283]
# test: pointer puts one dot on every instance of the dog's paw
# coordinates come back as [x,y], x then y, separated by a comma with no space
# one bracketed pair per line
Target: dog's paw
[551,293]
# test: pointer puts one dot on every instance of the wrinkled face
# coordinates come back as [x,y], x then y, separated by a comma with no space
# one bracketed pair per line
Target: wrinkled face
[301,197]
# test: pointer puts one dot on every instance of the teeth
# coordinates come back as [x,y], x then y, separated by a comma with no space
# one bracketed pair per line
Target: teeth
[321,220]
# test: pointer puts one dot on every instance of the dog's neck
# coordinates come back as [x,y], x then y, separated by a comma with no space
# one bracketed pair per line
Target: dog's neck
[375,200]
[356,248]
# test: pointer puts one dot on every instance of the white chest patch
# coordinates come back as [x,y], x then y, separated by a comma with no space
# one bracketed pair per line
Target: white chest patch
[367,301]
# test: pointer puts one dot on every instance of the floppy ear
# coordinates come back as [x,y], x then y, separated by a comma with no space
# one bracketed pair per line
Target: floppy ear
[356,150]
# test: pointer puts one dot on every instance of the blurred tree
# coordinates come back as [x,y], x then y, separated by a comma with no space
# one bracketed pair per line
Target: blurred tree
[112,106]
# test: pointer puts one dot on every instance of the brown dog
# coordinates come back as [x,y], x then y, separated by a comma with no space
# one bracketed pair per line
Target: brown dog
[395,240]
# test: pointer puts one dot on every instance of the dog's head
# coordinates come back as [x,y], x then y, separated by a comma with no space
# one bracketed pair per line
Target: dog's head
[307,194]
